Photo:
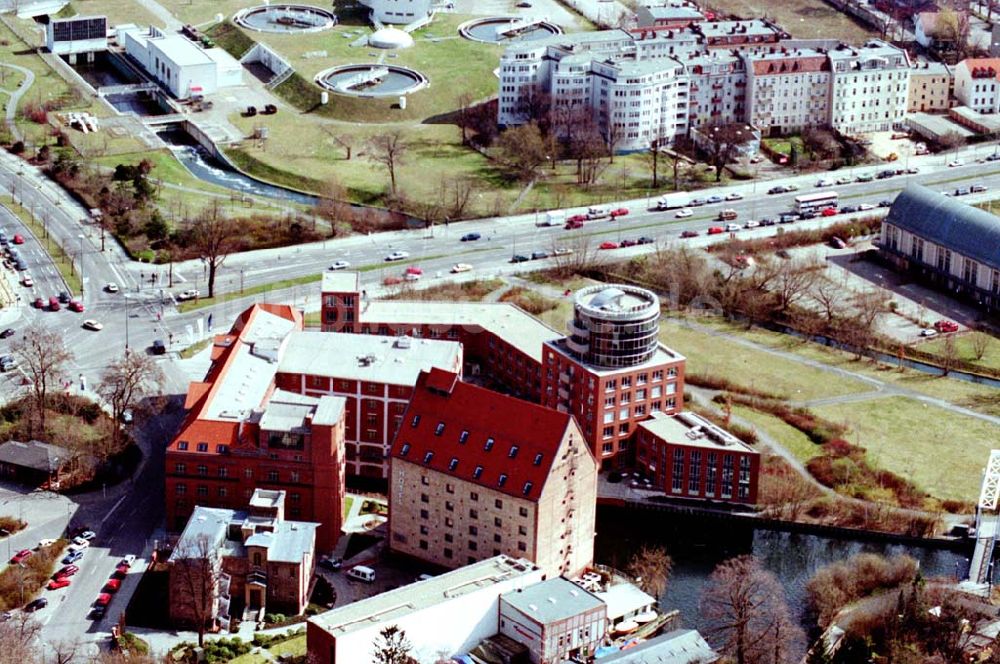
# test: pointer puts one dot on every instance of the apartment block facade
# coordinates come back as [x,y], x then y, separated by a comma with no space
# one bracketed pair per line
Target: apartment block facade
[788,89]
[931,87]
[689,457]
[977,84]
[483,474]
[870,87]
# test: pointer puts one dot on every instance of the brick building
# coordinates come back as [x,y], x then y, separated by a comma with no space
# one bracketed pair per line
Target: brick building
[374,375]
[484,474]
[227,561]
[242,434]
[612,372]
[689,457]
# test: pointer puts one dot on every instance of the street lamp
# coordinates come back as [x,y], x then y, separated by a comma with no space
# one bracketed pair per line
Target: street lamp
[126,298]
[81,236]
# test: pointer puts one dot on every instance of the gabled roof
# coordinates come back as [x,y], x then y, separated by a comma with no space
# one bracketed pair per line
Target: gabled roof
[34,454]
[964,229]
[480,436]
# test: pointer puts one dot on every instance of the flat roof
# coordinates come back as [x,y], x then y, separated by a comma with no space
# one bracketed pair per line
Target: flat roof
[367,357]
[509,322]
[623,599]
[180,50]
[400,602]
[288,411]
[251,370]
[341,282]
[681,646]
[553,600]
[688,428]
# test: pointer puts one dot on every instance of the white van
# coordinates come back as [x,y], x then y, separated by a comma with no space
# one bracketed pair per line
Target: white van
[362,573]
[597,211]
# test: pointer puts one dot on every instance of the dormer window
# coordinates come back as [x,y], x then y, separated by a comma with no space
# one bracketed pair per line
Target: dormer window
[527,488]
[464,436]
[428,457]
[404,450]
[415,421]
[489,444]
[182,445]
[538,459]
[502,480]
[439,429]
[478,472]
[513,452]
[453,464]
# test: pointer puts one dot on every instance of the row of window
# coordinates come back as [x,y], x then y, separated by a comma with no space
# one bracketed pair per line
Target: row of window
[202,491]
[201,470]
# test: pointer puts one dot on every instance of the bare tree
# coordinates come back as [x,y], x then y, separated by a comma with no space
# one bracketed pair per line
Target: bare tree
[17,638]
[214,236]
[194,580]
[949,354]
[588,148]
[575,256]
[829,295]
[125,382]
[392,646]
[651,566]
[465,101]
[43,357]
[747,612]
[389,150]
[63,651]
[723,142]
[522,151]
[980,342]
[793,282]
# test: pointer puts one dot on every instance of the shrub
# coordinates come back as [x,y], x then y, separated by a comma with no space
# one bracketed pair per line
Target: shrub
[838,584]
[532,302]
[716,382]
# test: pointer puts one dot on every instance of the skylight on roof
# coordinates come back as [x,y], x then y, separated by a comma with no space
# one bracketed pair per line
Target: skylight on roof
[405,449]
[453,464]
[464,436]
[538,459]
[439,429]
[489,444]
[477,473]
[513,452]
[502,480]
[527,488]
[428,457]
[416,420]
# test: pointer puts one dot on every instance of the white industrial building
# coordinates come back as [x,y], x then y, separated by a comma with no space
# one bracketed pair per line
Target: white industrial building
[398,11]
[442,616]
[78,35]
[181,66]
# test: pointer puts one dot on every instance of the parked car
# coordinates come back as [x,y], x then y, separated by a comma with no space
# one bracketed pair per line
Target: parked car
[628,242]
[127,560]
[829,212]
[780,189]
[75,305]
[696,202]
[946,326]
[103,599]
[54,304]
[20,555]
[36,605]
[93,325]
[712,200]
[18,239]
[79,544]
[339,265]
[573,224]
[928,332]
[619,212]
[68,570]
[332,564]
[562,251]
[27,281]
[864,207]
[72,557]
[683,213]
[962,191]
[837,243]
[767,221]
[732,228]
[864,177]
[824,182]
[7,362]
[849,209]
[470,237]
[111,287]
[519,258]
[61,582]
[48,541]
[687,234]
[87,535]
[955,163]
[6,334]
[884,203]
[397,256]
[715,230]
[844,179]
[39,303]
[112,586]
[645,239]
[734,196]
[538,255]
[978,188]
[608,244]
[64,297]
[751,224]
[576,218]
[460,267]
[189,294]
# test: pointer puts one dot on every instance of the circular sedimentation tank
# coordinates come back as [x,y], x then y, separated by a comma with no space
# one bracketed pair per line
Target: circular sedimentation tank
[288,19]
[371,80]
[491,29]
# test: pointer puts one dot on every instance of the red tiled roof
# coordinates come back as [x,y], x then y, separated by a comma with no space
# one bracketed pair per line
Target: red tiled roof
[196,430]
[793,64]
[441,380]
[534,430]
[984,65]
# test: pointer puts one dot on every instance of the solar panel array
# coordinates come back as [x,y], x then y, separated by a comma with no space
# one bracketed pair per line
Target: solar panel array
[79,29]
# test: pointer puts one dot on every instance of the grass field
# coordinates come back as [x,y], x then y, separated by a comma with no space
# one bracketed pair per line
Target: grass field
[804,19]
[758,369]
[942,452]
[788,436]
[121,11]
[963,346]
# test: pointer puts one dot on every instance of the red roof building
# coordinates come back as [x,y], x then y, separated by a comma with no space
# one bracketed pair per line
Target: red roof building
[243,434]
[484,474]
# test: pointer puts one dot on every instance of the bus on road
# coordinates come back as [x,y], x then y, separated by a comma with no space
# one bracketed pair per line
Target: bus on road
[815,202]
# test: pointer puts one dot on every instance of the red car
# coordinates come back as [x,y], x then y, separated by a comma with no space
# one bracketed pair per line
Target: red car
[413,269]
[68,570]
[54,304]
[18,239]
[828,212]
[619,212]
[75,305]
[61,582]
[576,218]
[103,600]
[120,572]
[20,555]
[716,230]
[39,303]
[686,234]
[573,225]
[946,326]
[112,585]
[609,245]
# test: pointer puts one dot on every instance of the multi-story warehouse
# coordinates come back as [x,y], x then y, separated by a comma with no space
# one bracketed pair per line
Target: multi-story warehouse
[241,434]
[375,376]
[612,372]
[869,88]
[476,474]
[788,89]
[948,243]
[689,457]
[977,84]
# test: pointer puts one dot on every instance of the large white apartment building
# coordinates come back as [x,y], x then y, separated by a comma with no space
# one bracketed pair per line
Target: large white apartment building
[658,85]
[788,89]
[870,86]
[977,84]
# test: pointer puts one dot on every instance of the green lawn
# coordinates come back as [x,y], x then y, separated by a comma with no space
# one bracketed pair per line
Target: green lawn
[348,501]
[786,435]
[295,647]
[191,305]
[963,345]
[758,369]
[943,453]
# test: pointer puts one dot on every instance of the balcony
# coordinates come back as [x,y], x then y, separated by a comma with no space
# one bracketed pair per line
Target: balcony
[563,393]
[576,347]
[577,331]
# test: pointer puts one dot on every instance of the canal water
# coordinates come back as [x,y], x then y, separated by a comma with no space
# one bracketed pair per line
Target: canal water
[698,543]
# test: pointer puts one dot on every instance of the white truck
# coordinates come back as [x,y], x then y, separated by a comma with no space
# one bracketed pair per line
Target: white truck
[597,212]
[671,201]
[553,218]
